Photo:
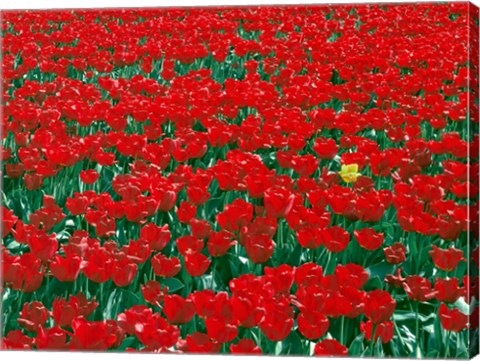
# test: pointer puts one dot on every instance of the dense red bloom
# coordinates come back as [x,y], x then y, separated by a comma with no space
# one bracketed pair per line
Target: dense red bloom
[452,319]
[16,340]
[199,343]
[418,288]
[221,329]
[23,273]
[369,239]
[123,271]
[89,176]
[236,215]
[66,269]
[395,253]
[219,243]
[8,221]
[326,148]
[64,312]
[169,135]
[379,306]
[91,335]
[155,333]
[189,244]
[448,290]
[196,264]
[164,266]
[53,338]
[259,248]
[383,330]
[277,322]
[153,292]
[157,237]
[198,195]
[446,260]
[245,346]
[98,266]
[309,237]
[186,212]
[308,274]
[281,278]
[335,238]
[200,228]
[43,246]
[352,275]
[278,202]
[330,347]
[33,316]
[177,309]
[312,325]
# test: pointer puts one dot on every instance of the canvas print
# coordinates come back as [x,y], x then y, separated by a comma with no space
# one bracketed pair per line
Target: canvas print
[268,180]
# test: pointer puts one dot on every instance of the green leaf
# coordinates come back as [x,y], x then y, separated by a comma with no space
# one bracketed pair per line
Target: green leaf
[173,284]
[378,349]
[292,345]
[463,306]
[118,301]
[127,342]
[373,284]
[409,316]
[380,269]
[356,347]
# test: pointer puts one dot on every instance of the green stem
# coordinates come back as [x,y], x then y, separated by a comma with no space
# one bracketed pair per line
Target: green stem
[447,339]
[342,326]
[372,339]
[417,326]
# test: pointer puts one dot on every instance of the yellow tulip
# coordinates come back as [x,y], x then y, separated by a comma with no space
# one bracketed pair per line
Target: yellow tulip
[349,173]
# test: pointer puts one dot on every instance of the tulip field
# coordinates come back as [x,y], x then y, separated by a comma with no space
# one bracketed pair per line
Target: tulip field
[276,180]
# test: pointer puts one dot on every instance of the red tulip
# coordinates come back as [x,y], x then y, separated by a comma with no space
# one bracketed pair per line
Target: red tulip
[91,335]
[153,292]
[308,274]
[220,329]
[51,339]
[446,260]
[200,228]
[123,272]
[16,340]
[330,347]
[196,264]
[448,290]
[32,316]
[452,319]
[277,322]
[259,248]
[395,253]
[177,309]
[312,325]
[89,176]
[42,245]
[200,343]
[326,148]
[335,239]
[278,202]
[164,266]
[379,306]
[245,346]
[157,237]
[66,269]
[383,330]
[418,288]
[369,239]
[220,242]
[186,212]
